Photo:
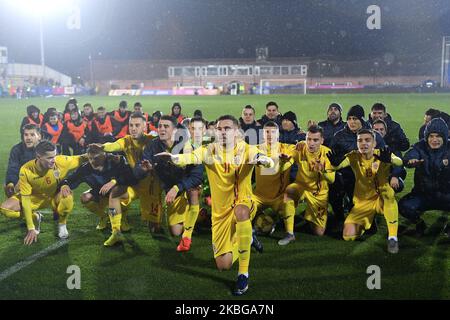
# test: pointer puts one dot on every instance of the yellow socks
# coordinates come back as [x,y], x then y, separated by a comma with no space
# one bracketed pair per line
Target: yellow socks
[115,219]
[244,241]
[190,219]
[64,208]
[288,216]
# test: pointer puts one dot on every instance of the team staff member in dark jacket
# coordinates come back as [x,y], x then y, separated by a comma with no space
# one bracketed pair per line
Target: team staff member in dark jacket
[20,154]
[34,116]
[432,114]
[272,114]
[182,185]
[290,133]
[248,124]
[395,137]
[122,116]
[430,157]
[398,174]
[333,123]
[101,173]
[343,142]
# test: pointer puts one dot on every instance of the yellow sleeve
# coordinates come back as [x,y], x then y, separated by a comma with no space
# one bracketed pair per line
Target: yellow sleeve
[27,212]
[117,146]
[24,186]
[396,161]
[343,164]
[329,174]
[195,157]
[74,162]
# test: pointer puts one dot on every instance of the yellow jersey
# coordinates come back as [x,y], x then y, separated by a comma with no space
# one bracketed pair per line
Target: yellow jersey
[43,185]
[307,178]
[32,182]
[229,173]
[272,182]
[370,174]
[133,148]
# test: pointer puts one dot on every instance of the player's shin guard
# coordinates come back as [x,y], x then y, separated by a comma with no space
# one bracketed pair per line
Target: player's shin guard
[115,218]
[189,222]
[288,216]
[244,240]
[10,213]
[64,208]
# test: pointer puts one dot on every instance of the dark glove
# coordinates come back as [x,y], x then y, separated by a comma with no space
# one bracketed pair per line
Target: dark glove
[385,155]
[335,158]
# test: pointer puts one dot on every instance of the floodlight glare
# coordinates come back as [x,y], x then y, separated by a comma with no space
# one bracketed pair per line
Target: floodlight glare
[42,7]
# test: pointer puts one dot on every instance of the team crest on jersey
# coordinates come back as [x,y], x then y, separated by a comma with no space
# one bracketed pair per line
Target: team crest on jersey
[445,162]
[56,174]
[375,166]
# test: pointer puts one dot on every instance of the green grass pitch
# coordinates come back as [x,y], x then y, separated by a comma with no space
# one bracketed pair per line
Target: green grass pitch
[148,268]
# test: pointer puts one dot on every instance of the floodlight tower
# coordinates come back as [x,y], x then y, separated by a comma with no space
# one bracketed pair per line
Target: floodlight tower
[445,62]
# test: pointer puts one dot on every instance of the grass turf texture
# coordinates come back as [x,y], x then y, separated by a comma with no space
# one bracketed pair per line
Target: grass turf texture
[149,268]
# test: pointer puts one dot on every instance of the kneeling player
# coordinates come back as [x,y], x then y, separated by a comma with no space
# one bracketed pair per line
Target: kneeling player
[373,193]
[311,183]
[229,165]
[271,183]
[102,173]
[38,183]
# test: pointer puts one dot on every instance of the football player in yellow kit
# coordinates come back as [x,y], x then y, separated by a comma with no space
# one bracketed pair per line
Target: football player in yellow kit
[38,185]
[271,183]
[147,190]
[373,193]
[311,184]
[229,164]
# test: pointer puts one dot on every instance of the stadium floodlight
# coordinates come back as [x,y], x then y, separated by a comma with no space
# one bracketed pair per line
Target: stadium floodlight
[41,8]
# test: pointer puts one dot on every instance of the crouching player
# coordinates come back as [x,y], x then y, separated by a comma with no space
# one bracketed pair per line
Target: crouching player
[373,193]
[38,184]
[311,183]
[271,183]
[102,174]
[229,164]
[182,185]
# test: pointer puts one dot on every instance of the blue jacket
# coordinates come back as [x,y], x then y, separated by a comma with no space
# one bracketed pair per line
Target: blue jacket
[292,137]
[432,177]
[116,167]
[168,173]
[329,129]
[18,156]
[395,137]
[344,140]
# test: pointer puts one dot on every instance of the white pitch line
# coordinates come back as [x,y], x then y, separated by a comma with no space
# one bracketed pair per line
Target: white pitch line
[31,259]
[22,264]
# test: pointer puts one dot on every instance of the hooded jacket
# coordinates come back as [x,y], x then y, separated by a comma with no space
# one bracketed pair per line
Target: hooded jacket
[344,140]
[395,137]
[329,129]
[29,118]
[432,177]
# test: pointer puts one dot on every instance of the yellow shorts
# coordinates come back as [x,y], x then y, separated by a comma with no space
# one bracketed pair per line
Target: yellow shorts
[262,204]
[224,229]
[364,211]
[38,203]
[149,194]
[176,212]
[316,205]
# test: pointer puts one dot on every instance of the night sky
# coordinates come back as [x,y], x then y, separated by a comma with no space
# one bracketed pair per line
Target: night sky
[188,29]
